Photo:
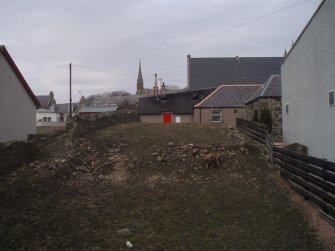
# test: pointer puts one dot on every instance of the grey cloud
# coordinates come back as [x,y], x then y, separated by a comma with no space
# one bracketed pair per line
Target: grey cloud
[105,33]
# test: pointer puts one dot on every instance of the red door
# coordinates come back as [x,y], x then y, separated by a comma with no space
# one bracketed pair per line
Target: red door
[167,117]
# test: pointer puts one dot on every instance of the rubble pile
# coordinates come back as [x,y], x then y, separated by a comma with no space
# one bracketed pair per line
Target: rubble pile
[115,158]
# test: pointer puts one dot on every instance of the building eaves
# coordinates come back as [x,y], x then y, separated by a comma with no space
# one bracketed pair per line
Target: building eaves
[303,31]
[24,83]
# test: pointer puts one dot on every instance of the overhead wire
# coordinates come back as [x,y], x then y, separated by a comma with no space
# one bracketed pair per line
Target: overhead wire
[158,52]
[49,69]
[28,42]
[217,33]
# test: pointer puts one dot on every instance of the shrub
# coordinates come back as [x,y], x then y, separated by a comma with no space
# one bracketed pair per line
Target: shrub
[255,116]
[266,118]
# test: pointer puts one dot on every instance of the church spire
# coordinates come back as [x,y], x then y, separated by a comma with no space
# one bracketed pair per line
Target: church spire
[140,73]
[140,84]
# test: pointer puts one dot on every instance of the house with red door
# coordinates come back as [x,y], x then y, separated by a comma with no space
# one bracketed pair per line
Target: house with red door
[217,90]
[222,104]
[171,107]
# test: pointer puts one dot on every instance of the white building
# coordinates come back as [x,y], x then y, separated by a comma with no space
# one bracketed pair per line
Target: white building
[17,102]
[308,86]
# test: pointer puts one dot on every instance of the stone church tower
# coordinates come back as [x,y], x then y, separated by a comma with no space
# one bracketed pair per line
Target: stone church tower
[140,84]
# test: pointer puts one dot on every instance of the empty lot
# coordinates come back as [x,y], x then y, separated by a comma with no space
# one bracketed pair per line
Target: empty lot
[149,184]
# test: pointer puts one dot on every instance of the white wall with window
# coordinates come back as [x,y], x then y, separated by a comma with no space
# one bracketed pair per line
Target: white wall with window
[308,84]
[47,116]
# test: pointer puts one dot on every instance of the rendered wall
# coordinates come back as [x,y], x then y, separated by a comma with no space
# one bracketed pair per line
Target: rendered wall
[18,111]
[184,118]
[308,74]
[204,115]
[55,117]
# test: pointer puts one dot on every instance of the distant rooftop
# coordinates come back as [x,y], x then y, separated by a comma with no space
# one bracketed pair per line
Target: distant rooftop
[213,72]
[228,96]
[99,109]
[177,103]
[271,88]
[44,100]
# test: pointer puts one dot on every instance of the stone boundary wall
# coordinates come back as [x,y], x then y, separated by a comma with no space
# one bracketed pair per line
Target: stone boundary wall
[81,126]
[15,154]
[275,107]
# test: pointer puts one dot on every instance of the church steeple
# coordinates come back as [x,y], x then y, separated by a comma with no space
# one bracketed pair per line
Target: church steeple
[140,84]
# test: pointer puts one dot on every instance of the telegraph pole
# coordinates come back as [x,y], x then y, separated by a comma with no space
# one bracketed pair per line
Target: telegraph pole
[70,90]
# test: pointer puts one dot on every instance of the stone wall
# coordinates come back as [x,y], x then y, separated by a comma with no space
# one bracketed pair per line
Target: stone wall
[88,124]
[15,154]
[275,107]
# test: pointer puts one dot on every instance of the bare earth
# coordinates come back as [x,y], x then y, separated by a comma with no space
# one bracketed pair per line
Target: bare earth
[149,185]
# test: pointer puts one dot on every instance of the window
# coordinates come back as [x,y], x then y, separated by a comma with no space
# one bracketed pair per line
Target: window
[286,108]
[46,119]
[216,116]
[235,110]
[331,98]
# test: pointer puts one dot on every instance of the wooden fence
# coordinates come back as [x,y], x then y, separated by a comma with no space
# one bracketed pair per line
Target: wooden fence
[314,178]
[256,131]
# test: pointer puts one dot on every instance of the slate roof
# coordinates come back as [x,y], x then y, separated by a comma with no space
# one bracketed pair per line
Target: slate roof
[271,89]
[213,72]
[229,96]
[177,103]
[24,83]
[44,100]
[106,101]
[98,109]
[62,108]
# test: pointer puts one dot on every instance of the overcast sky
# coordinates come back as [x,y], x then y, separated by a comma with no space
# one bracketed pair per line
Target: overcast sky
[104,39]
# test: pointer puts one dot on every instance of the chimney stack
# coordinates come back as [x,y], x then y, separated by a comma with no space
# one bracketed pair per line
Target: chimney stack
[188,71]
[155,86]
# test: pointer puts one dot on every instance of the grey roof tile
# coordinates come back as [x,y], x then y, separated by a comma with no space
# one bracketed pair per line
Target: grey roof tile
[177,103]
[106,101]
[99,109]
[44,100]
[271,88]
[213,72]
[229,96]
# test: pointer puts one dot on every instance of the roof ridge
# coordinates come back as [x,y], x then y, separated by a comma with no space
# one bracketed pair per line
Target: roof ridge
[210,95]
[221,87]
[240,85]
[266,85]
